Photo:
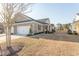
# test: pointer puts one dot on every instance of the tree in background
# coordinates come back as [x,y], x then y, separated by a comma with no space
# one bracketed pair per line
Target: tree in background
[59,26]
[67,26]
[63,27]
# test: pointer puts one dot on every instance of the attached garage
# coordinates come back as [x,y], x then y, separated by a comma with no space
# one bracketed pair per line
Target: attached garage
[23,30]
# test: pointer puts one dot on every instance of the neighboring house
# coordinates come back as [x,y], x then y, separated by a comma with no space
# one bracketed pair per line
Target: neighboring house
[75,24]
[25,25]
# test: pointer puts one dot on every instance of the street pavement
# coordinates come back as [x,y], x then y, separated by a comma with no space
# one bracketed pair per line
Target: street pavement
[58,36]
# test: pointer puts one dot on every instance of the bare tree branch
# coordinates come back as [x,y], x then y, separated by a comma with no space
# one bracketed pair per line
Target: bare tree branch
[7,15]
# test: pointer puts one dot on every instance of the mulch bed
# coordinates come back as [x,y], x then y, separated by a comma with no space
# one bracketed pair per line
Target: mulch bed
[10,51]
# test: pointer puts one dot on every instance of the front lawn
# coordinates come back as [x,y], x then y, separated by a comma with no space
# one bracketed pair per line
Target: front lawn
[40,47]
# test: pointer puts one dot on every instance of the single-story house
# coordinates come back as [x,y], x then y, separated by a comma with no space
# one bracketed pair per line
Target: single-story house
[25,25]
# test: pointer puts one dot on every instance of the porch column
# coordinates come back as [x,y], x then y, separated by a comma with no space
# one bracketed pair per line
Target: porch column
[15,29]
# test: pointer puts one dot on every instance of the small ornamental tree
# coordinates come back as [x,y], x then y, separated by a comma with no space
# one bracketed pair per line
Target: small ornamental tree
[7,14]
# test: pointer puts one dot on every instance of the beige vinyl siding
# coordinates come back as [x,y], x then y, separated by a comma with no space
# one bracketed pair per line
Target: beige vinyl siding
[76,26]
[37,27]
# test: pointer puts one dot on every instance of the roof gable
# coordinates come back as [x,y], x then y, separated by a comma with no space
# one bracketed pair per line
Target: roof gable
[45,20]
[21,17]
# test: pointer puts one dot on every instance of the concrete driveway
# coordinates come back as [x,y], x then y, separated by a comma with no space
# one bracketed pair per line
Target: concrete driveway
[3,37]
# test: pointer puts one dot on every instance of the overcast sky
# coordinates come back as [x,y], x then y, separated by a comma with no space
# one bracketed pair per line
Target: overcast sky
[57,12]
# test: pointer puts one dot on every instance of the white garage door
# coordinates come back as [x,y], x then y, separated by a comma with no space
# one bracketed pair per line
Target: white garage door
[23,30]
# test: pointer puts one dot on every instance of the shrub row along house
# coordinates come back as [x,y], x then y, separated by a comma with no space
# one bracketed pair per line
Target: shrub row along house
[25,25]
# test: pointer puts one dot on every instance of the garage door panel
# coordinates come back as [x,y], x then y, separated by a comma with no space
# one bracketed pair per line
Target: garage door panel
[23,30]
